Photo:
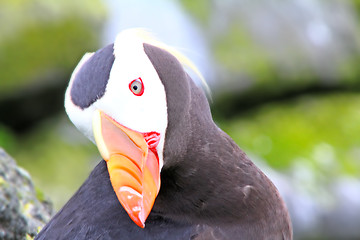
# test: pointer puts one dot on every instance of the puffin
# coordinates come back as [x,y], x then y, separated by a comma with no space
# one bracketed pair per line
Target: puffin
[167,170]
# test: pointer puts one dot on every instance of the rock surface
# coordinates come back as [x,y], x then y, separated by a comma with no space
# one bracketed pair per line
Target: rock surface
[21,212]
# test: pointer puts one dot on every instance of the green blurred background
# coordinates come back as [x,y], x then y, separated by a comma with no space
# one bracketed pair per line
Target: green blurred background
[284,75]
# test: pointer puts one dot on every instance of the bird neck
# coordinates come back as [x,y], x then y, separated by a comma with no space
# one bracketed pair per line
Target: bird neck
[215,179]
[210,180]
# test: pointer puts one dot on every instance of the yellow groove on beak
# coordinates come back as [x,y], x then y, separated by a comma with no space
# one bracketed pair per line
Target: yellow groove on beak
[133,168]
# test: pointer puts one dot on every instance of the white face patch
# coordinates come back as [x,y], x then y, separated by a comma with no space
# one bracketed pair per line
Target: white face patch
[82,119]
[144,113]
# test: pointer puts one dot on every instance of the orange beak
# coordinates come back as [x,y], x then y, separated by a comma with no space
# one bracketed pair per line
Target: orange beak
[133,166]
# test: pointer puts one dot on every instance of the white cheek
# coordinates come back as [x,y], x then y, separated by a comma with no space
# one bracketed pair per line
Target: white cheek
[145,113]
[82,119]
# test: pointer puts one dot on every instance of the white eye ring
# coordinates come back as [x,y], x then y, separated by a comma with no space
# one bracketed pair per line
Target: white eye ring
[137,87]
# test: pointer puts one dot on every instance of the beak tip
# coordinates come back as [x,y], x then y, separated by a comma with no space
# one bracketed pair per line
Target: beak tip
[142,225]
[138,220]
[132,201]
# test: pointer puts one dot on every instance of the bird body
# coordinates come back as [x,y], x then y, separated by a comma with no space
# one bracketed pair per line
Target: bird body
[209,188]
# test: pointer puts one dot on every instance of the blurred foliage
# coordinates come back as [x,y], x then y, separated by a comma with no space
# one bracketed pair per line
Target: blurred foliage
[201,9]
[61,49]
[356,6]
[320,130]
[41,36]
[241,55]
[255,64]
[7,139]
[244,60]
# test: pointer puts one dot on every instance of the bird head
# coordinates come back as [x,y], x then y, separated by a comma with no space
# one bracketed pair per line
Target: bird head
[118,99]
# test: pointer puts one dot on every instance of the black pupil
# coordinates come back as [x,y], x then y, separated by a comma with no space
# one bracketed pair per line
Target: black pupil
[135,87]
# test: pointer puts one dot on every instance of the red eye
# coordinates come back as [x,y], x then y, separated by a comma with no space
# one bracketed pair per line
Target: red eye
[137,87]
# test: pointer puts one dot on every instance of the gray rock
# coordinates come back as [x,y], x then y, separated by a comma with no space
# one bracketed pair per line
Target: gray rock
[21,212]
